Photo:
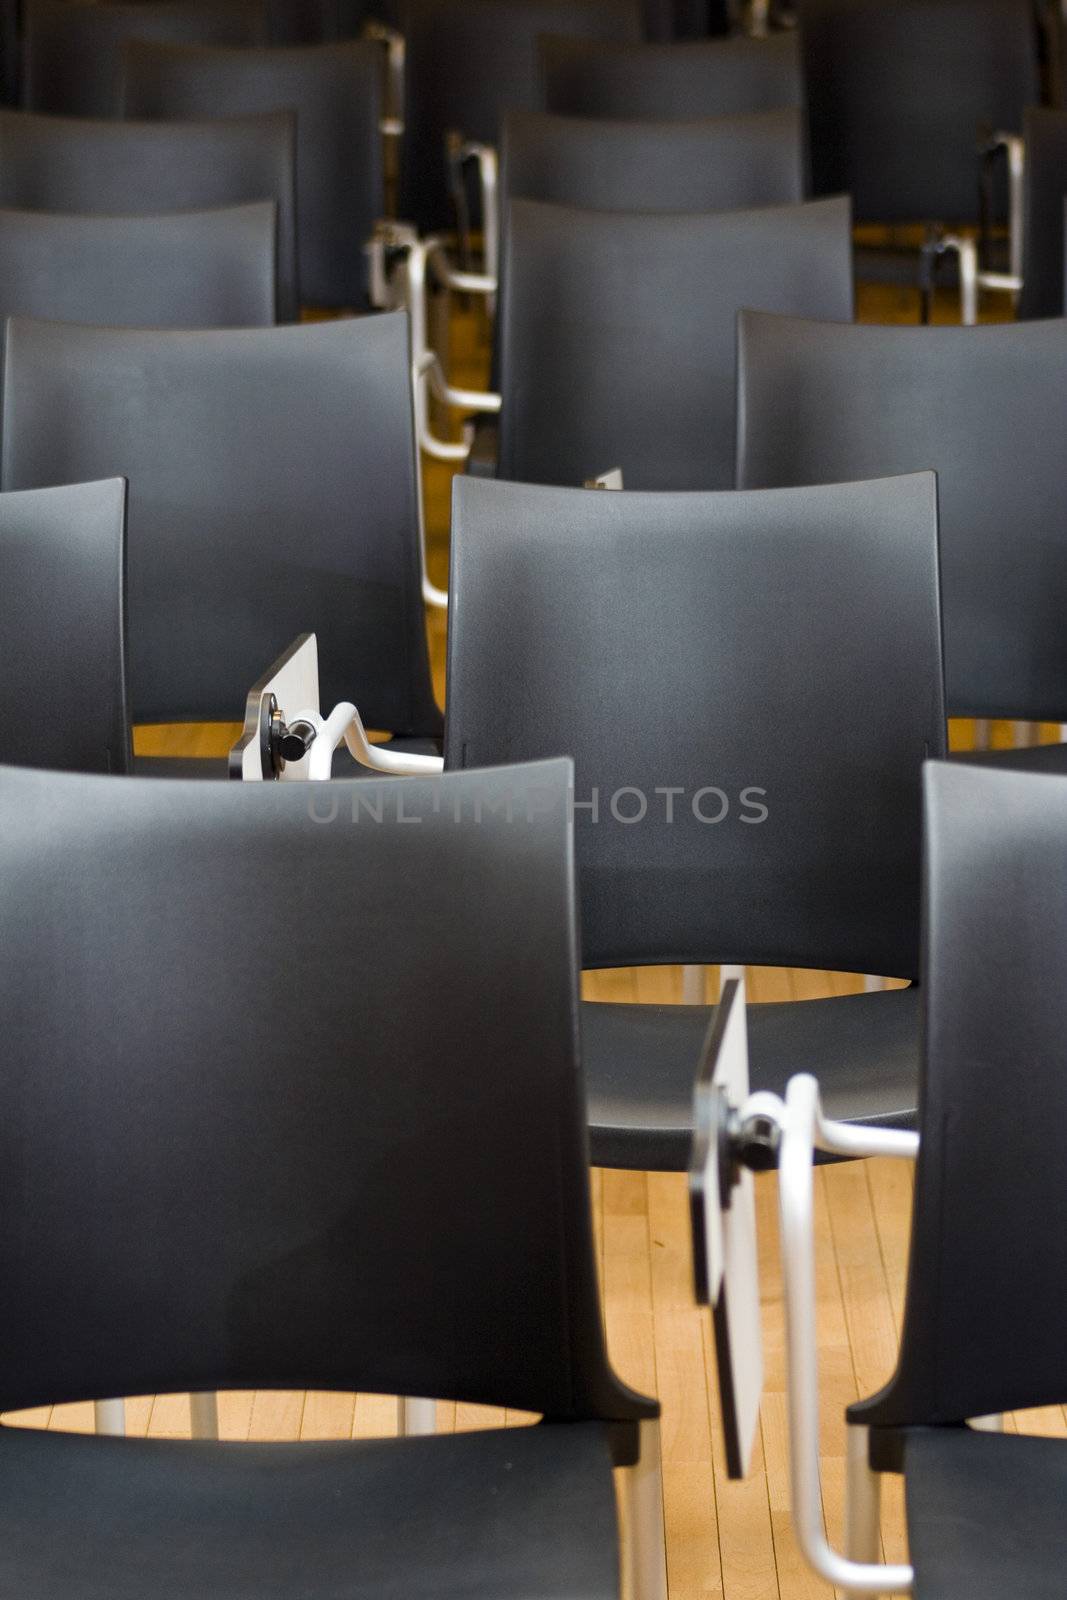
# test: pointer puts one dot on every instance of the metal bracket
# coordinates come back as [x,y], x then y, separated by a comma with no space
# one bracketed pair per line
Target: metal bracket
[285,740]
[386,251]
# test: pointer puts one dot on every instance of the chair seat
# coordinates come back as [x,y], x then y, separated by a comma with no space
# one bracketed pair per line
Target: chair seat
[640,1062]
[986,1514]
[1031,758]
[216,766]
[524,1512]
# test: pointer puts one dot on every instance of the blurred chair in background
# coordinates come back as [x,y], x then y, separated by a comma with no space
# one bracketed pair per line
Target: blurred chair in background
[73,52]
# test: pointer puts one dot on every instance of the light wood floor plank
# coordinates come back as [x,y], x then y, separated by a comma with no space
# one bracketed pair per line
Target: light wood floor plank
[327,1415]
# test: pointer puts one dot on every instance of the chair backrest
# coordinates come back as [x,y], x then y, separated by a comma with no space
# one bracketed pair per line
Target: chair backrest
[747,684]
[336,91]
[899,92]
[469,61]
[709,164]
[302,21]
[617,333]
[987,1272]
[63,628]
[272,492]
[983,408]
[1044,190]
[73,52]
[698,78]
[10,50]
[685,19]
[336,1179]
[86,165]
[191,269]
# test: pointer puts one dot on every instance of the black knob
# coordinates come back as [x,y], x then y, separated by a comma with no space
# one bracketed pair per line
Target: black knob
[295,740]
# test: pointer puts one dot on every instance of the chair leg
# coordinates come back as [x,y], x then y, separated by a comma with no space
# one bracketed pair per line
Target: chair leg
[110,1416]
[415,1417]
[204,1415]
[873,985]
[981,733]
[863,1503]
[694,986]
[994,1423]
[695,983]
[646,1541]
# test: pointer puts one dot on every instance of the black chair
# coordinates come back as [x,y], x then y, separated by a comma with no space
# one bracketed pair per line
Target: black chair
[73,52]
[311,1216]
[191,269]
[1035,264]
[663,82]
[900,91]
[982,1326]
[748,685]
[709,164]
[983,1317]
[466,63]
[62,628]
[1044,193]
[336,91]
[820,404]
[616,333]
[685,19]
[272,492]
[10,50]
[302,21]
[82,165]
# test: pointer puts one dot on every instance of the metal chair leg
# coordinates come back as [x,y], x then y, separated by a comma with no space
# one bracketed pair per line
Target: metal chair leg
[415,1417]
[695,983]
[646,1540]
[110,1417]
[694,986]
[863,1505]
[204,1415]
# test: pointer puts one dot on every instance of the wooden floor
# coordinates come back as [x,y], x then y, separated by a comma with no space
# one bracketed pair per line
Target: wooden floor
[722,1538]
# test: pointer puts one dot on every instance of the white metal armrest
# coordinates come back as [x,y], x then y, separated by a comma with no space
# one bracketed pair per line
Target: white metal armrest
[427,374]
[280,741]
[392,124]
[456,278]
[1014,149]
[426,371]
[435,261]
[485,157]
[966,252]
[973,279]
[803,1130]
[344,725]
